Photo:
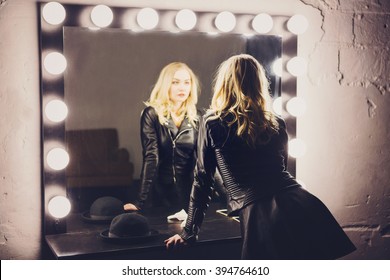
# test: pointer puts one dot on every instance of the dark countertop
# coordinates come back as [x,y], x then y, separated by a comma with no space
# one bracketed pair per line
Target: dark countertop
[219,239]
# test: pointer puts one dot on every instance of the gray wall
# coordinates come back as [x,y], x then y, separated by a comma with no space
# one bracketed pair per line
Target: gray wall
[345,127]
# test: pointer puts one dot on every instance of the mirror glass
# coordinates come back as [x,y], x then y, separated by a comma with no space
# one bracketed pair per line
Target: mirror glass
[109,76]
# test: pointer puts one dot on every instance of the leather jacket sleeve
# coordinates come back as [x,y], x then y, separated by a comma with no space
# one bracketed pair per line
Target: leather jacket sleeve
[202,185]
[149,142]
[284,139]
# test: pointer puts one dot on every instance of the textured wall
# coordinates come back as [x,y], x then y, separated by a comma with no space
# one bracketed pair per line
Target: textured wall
[345,127]
[20,206]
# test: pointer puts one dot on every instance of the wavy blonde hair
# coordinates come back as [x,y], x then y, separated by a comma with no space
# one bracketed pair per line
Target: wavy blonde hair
[159,97]
[241,89]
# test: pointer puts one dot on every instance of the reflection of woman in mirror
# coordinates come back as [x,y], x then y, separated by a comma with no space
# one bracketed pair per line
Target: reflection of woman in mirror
[247,143]
[169,129]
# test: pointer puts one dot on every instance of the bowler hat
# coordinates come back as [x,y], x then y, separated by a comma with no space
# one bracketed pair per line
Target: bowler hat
[129,227]
[103,210]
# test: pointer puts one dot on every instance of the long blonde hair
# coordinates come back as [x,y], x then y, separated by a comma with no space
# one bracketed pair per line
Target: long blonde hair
[159,97]
[241,89]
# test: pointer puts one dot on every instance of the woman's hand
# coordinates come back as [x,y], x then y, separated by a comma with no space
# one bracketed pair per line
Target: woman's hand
[174,242]
[130,207]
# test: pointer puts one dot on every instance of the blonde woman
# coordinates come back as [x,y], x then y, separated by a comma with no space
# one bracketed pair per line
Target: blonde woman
[169,129]
[247,143]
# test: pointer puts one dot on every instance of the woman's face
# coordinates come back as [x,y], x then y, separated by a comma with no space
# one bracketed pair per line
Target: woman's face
[180,86]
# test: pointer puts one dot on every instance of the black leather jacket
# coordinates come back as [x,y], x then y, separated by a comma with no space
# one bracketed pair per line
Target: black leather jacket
[168,153]
[249,174]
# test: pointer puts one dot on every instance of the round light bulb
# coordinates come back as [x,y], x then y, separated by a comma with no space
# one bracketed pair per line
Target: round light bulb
[102,16]
[296,148]
[57,158]
[54,13]
[296,106]
[55,63]
[147,18]
[277,105]
[56,110]
[277,67]
[59,207]
[297,66]
[262,23]
[225,21]
[297,24]
[185,19]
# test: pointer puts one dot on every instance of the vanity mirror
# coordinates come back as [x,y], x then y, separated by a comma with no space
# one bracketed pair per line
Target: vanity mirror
[98,65]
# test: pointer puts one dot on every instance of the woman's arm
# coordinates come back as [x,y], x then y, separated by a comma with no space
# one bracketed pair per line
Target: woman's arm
[202,185]
[284,140]
[149,140]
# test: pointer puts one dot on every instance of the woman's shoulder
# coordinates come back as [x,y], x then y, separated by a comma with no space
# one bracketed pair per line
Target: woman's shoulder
[214,123]
[149,111]
[149,114]
[209,117]
[280,121]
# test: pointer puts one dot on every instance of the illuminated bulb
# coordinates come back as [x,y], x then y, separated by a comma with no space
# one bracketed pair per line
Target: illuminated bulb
[54,13]
[262,23]
[296,148]
[102,16]
[297,24]
[277,106]
[277,67]
[185,19]
[297,66]
[225,21]
[296,106]
[147,18]
[57,158]
[56,110]
[59,207]
[55,63]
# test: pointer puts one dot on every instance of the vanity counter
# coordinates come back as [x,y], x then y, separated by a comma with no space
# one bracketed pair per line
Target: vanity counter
[219,239]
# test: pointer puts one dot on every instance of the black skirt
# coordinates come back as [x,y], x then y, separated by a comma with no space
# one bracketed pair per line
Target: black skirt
[292,224]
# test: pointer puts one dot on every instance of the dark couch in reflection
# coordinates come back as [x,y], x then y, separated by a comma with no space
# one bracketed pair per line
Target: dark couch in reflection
[98,166]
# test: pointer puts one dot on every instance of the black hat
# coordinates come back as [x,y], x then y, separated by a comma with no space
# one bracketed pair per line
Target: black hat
[103,210]
[129,227]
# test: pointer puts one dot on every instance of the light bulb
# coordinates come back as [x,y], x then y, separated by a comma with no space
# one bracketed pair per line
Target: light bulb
[102,16]
[56,110]
[185,19]
[277,67]
[57,158]
[59,207]
[147,18]
[296,148]
[55,63]
[277,105]
[297,66]
[225,21]
[54,13]
[262,23]
[297,24]
[296,106]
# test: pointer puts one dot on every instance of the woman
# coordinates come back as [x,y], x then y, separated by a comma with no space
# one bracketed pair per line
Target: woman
[169,129]
[247,143]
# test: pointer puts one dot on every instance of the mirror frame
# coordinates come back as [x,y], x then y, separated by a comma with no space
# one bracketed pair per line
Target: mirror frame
[52,86]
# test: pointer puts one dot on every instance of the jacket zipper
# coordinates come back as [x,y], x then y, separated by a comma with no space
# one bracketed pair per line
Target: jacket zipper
[173,152]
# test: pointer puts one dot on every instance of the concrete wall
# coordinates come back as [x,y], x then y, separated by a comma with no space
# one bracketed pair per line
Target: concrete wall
[345,127]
